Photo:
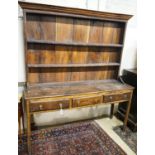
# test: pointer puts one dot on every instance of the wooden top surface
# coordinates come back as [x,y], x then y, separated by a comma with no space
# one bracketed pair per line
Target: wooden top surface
[74,88]
[75,11]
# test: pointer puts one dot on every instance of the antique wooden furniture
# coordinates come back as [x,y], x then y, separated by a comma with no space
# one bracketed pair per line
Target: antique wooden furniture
[20,117]
[72,59]
[130,77]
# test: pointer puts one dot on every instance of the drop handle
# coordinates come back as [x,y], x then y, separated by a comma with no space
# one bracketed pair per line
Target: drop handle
[61,110]
[40,107]
[60,105]
[125,96]
[110,97]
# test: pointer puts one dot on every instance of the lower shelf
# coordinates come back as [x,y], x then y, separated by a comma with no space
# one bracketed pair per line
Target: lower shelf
[75,65]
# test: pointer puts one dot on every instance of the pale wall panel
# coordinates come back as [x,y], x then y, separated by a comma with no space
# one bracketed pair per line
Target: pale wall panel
[21,56]
[69,3]
[92,4]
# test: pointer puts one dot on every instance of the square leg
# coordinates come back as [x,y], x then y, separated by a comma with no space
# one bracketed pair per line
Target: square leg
[28,128]
[127,112]
[112,111]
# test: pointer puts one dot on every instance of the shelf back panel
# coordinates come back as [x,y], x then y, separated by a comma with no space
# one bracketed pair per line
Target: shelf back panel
[49,75]
[43,54]
[65,29]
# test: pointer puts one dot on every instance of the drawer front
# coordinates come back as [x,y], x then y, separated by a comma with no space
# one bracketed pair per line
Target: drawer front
[87,101]
[49,105]
[116,97]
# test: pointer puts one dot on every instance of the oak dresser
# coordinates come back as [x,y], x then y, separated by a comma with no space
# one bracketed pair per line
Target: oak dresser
[72,59]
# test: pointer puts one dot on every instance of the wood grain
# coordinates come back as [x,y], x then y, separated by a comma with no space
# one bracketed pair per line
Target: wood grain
[33,27]
[79,56]
[64,29]
[40,27]
[47,27]
[63,89]
[33,74]
[41,55]
[96,30]
[118,31]
[85,101]
[63,56]
[107,33]
[81,30]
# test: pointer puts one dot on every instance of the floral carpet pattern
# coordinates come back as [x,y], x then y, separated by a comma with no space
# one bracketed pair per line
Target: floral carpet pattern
[129,137]
[82,138]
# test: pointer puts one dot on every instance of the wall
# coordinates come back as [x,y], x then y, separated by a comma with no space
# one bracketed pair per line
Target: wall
[128,58]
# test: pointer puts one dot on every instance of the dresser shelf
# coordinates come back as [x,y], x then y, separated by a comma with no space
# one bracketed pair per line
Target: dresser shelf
[72,43]
[73,65]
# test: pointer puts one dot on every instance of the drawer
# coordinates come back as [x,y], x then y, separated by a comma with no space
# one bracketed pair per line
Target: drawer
[116,97]
[86,101]
[49,105]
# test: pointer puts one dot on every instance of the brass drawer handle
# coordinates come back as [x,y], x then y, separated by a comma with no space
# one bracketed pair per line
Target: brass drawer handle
[61,110]
[40,107]
[125,95]
[60,104]
[110,97]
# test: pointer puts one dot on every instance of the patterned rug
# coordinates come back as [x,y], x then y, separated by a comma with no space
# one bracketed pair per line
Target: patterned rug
[82,138]
[129,137]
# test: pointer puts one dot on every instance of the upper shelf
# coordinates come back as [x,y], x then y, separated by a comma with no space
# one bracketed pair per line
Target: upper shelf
[72,43]
[75,65]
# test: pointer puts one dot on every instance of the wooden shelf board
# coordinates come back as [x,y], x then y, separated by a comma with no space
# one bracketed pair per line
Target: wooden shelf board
[72,43]
[74,65]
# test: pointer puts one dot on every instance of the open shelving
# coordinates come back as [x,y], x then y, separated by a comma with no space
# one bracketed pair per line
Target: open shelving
[32,41]
[62,48]
[74,65]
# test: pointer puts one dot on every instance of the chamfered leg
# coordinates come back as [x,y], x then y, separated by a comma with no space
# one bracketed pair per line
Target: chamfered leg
[127,111]
[112,111]
[28,128]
